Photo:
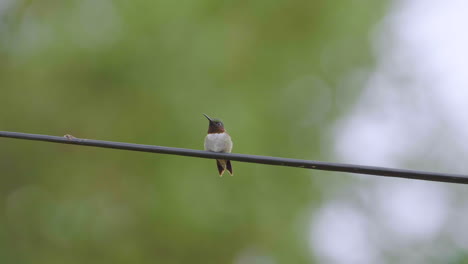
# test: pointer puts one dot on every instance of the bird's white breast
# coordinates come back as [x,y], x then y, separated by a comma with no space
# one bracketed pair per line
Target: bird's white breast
[218,142]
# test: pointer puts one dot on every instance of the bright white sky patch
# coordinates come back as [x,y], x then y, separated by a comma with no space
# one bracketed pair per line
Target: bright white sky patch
[412,113]
[340,235]
[412,211]
[420,85]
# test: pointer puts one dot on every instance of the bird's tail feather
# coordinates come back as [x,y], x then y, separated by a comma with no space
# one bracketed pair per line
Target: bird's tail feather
[229,167]
[223,165]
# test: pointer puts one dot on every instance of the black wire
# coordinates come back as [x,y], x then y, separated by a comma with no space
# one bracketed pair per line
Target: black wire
[308,164]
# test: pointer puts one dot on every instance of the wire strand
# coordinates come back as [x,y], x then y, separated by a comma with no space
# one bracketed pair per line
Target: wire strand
[308,164]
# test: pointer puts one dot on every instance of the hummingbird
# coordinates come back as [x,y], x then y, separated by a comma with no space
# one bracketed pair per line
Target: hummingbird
[218,140]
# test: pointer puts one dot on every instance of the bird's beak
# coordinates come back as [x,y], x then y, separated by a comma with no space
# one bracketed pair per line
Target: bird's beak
[207,117]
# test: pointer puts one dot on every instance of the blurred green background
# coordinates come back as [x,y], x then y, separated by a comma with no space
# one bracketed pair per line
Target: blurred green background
[144,72]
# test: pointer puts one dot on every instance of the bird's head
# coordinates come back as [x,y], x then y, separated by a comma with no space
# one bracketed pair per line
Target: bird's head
[215,126]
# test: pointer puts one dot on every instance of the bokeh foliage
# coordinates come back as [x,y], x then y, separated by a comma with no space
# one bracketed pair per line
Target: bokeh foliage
[144,71]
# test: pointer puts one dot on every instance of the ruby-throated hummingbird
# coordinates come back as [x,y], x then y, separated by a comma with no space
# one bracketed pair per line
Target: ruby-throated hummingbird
[218,140]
